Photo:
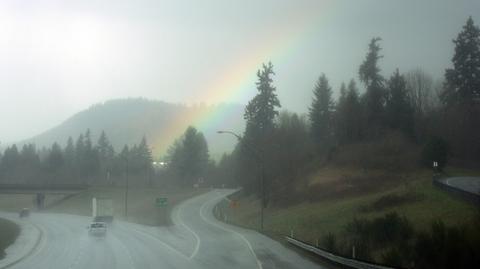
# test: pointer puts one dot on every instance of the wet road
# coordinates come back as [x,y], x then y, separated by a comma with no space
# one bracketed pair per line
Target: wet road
[197,240]
[469,184]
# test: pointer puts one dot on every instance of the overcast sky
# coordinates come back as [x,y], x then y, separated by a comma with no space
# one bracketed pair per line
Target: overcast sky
[59,57]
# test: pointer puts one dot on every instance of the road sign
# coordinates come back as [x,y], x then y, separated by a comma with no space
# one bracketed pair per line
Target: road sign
[233,204]
[161,201]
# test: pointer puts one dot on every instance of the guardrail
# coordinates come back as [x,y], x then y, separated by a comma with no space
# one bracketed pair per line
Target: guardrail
[463,194]
[352,263]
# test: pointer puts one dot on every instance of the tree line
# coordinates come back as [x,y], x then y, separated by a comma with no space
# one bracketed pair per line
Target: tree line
[79,162]
[440,118]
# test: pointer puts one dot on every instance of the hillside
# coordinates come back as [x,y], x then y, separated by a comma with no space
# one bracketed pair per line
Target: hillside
[126,120]
[340,197]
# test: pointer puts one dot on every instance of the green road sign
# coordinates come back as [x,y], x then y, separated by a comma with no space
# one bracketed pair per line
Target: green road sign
[161,201]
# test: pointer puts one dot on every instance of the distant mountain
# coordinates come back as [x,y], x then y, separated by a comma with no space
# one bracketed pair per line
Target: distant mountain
[126,121]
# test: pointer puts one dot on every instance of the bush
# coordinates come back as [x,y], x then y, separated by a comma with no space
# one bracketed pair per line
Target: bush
[446,247]
[329,242]
[8,234]
[387,232]
[435,150]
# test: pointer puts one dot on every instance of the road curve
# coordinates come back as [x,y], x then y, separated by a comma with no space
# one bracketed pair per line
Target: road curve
[468,184]
[197,240]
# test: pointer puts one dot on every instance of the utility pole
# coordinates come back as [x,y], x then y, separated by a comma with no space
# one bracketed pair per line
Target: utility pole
[126,188]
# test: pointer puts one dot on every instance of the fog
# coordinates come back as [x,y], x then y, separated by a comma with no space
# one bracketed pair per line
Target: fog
[59,57]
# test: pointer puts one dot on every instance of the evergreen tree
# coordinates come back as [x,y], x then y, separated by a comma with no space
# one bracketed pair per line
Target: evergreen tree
[348,114]
[259,115]
[321,112]
[91,161]
[262,109]
[105,149]
[106,155]
[462,85]
[353,113]
[69,152]
[28,156]
[55,160]
[10,162]
[144,154]
[196,157]
[343,94]
[188,158]
[374,99]
[79,150]
[399,109]
[144,159]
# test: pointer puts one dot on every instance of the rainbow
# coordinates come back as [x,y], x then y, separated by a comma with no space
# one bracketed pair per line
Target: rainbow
[238,81]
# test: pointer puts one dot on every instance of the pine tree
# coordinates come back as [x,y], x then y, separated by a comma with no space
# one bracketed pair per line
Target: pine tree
[106,155]
[144,156]
[69,152]
[104,148]
[260,114]
[353,113]
[348,114]
[399,110]
[196,155]
[262,109]
[10,161]
[340,114]
[374,99]
[462,85]
[321,111]
[79,150]
[55,160]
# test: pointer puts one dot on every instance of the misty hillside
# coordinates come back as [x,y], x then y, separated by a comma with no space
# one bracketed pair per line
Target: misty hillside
[125,121]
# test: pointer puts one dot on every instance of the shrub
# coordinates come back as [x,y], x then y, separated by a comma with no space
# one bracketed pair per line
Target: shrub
[8,234]
[446,247]
[329,242]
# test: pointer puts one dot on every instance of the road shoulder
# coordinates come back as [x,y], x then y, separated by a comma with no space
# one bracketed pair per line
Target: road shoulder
[25,244]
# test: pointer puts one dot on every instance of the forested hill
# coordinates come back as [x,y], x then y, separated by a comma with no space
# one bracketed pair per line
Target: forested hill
[126,121]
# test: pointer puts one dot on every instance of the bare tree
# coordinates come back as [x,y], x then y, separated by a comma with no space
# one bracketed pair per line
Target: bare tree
[420,86]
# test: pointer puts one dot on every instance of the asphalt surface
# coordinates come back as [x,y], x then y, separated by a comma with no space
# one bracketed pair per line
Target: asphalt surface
[197,240]
[469,184]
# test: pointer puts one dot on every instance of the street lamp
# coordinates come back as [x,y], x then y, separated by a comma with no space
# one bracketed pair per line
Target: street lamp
[126,186]
[262,168]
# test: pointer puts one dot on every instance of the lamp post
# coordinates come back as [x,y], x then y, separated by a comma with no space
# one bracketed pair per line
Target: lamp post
[262,168]
[126,187]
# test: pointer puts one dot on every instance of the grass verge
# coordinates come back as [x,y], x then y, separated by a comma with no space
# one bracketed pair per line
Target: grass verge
[8,233]
[311,221]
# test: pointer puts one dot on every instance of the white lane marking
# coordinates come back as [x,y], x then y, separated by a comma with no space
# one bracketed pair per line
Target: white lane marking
[161,242]
[202,209]
[120,243]
[197,238]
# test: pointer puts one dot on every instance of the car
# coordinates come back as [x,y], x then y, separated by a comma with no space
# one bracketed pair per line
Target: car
[97,229]
[25,212]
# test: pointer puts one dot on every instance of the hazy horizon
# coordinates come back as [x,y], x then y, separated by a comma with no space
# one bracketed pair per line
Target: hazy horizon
[59,58]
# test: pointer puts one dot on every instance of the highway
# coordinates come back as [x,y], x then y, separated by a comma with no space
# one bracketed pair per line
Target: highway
[196,240]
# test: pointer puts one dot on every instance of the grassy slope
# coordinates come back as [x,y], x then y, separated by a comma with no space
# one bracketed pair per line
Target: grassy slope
[8,233]
[309,221]
[141,203]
